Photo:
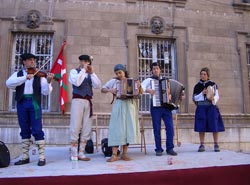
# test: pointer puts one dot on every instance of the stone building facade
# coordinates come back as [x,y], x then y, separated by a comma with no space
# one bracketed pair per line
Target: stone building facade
[184,35]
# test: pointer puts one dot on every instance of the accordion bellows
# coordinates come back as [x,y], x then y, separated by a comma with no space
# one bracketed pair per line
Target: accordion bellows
[167,93]
[127,88]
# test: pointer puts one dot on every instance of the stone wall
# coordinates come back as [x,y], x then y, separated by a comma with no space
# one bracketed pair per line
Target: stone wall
[56,127]
[212,34]
[207,34]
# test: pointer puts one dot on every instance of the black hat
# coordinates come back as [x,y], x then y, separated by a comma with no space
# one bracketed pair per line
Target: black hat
[26,56]
[85,57]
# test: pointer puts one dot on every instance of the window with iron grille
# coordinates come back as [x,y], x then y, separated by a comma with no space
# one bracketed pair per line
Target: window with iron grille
[248,61]
[39,44]
[155,50]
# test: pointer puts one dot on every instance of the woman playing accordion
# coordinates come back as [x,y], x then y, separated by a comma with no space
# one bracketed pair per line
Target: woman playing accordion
[124,122]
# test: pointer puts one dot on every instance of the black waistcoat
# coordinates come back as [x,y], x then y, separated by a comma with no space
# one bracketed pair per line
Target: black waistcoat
[36,89]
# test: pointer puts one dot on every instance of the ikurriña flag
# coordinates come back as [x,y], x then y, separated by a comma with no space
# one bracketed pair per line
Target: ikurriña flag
[59,69]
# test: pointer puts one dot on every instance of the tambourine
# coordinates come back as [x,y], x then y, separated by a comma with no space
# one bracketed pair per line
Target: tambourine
[210,92]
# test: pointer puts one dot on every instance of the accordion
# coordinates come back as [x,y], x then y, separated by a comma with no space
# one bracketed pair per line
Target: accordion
[127,88]
[167,93]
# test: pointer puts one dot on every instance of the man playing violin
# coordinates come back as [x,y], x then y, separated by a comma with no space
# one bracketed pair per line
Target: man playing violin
[29,90]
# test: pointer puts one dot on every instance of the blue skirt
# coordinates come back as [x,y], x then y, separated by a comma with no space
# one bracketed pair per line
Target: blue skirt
[208,119]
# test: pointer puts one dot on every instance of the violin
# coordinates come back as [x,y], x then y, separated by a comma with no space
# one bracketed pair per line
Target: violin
[37,72]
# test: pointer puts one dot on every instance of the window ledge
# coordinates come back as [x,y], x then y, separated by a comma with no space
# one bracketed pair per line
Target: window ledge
[241,7]
[178,3]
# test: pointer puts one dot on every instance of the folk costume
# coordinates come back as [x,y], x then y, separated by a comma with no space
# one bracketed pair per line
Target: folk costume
[207,114]
[124,122]
[124,126]
[81,107]
[158,113]
[29,112]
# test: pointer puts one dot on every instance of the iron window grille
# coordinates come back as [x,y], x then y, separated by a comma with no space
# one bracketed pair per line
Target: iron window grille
[155,50]
[39,44]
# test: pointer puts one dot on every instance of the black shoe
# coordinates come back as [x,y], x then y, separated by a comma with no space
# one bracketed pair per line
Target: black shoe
[171,152]
[216,148]
[22,161]
[158,153]
[41,162]
[201,148]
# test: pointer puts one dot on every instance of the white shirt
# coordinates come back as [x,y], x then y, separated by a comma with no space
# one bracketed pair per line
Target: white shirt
[201,97]
[76,78]
[112,84]
[14,81]
[146,84]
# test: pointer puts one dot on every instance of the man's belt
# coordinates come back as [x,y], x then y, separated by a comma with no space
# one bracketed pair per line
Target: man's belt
[35,104]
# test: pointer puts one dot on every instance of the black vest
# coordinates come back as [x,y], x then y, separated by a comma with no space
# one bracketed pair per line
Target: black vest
[85,88]
[36,89]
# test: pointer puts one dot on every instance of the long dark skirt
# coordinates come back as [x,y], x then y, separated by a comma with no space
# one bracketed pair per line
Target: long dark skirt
[208,119]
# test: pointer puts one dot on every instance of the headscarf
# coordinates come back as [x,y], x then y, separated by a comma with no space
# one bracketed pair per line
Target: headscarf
[119,67]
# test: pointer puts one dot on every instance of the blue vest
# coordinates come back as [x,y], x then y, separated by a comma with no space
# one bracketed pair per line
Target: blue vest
[85,88]
[36,89]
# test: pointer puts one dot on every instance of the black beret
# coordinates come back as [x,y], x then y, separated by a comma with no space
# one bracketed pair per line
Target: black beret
[84,57]
[26,56]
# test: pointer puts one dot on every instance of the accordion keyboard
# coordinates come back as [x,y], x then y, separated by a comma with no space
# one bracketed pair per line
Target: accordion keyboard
[156,97]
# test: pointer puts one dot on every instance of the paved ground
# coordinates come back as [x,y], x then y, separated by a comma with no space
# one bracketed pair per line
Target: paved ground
[58,162]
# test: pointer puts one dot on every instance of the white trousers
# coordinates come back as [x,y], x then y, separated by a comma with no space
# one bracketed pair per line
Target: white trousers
[80,122]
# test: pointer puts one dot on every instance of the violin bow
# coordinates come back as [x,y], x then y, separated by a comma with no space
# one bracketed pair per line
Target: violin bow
[42,66]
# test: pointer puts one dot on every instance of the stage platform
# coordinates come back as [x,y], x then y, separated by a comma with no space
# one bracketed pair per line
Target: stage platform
[58,163]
